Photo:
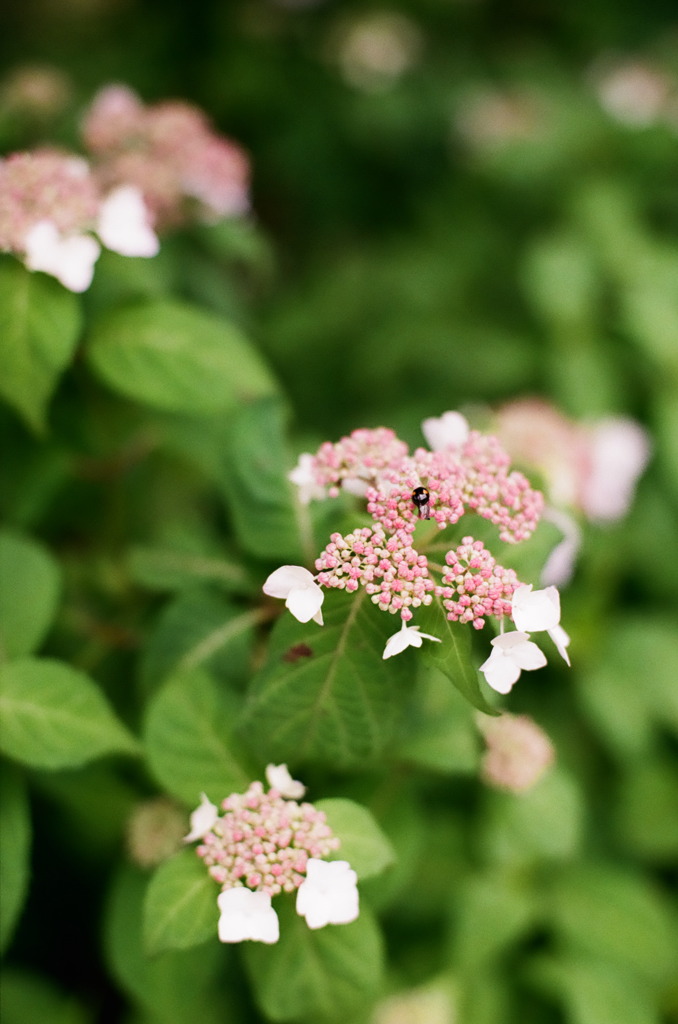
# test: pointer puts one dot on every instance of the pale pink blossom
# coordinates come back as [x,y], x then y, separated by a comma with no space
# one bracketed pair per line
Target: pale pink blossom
[511,654]
[297,587]
[518,752]
[407,636]
[247,915]
[329,895]
[619,452]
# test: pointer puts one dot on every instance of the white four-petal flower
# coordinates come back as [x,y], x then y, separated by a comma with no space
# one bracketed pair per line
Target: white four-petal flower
[329,895]
[124,224]
[301,593]
[407,636]
[247,915]
[202,819]
[536,610]
[69,258]
[278,777]
[447,431]
[511,654]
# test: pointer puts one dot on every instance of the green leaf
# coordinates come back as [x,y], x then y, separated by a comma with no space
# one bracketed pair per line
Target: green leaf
[594,992]
[180,909]
[15,838]
[602,911]
[441,733]
[29,997]
[28,595]
[175,357]
[175,986]
[160,568]
[546,823]
[325,693]
[645,811]
[453,655]
[187,738]
[200,628]
[495,910]
[40,324]
[363,844]
[325,975]
[268,519]
[53,716]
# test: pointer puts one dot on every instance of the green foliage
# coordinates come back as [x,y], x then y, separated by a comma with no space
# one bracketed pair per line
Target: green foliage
[15,838]
[180,905]
[28,602]
[363,844]
[40,323]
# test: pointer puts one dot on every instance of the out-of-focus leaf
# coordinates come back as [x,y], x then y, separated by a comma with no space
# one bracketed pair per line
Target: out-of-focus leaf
[175,986]
[187,738]
[546,823]
[327,975]
[363,844]
[645,812]
[441,734]
[494,910]
[28,596]
[593,991]
[30,997]
[40,324]
[604,912]
[172,356]
[561,280]
[53,716]
[15,838]
[199,628]
[180,908]
[268,519]
[453,655]
[161,568]
[325,693]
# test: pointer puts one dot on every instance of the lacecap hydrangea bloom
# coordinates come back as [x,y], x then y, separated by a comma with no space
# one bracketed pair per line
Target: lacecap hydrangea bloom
[463,474]
[260,844]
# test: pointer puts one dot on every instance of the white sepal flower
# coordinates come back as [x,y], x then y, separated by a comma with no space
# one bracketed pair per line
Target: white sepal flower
[124,224]
[534,610]
[407,636]
[301,593]
[69,258]
[447,431]
[202,819]
[247,915]
[278,777]
[559,565]
[619,451]
[561,639]
[303,477]
[329,895]
[511,654]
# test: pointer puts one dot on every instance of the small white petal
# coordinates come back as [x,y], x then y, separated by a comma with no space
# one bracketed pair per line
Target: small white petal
[559,566]
[355,485]
[511,654]
[70,259]
[447,431]
[202,819]
[303,477]
[285,579]
[329,895]
[247,915]
[407,636]
[124,223]
[500,672]
[305,602]
[533,611]
[278,777]
[561,640]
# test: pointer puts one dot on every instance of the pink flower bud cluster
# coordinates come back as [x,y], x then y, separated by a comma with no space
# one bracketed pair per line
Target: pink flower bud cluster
[360,457]
[45,185]
[170,152]
[263,841]
[390,502]
[474,586]
[394,574]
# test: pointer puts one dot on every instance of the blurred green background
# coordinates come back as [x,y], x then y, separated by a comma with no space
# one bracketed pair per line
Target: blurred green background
[455,203]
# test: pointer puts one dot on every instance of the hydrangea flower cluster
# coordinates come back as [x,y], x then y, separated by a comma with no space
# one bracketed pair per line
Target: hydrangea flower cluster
[147,168]
[265,843]
[54,215]
[462,472]
[170,153]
